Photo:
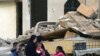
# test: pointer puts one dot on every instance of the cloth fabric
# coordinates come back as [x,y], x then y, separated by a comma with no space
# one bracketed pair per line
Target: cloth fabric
[30,50]
[40,51]
[59,54]
[14,52]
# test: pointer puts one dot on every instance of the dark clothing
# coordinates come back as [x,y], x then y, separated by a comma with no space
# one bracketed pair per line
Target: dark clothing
[47,53]
[14,52]
[30,49]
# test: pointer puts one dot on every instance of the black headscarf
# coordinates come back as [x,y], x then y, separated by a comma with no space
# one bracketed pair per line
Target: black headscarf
[30,49]
[31,39]
[61,49]
[40,38]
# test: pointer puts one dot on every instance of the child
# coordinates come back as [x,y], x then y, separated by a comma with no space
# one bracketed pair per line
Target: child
[14,50]
[40,49]
[59,51]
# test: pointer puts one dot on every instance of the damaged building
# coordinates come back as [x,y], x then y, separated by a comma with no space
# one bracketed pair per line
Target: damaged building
[72,24]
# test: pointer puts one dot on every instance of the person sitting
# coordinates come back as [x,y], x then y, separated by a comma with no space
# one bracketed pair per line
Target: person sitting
[14,50]
[59,51]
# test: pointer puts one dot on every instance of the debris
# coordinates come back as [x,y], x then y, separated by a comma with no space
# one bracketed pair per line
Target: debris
[68,22]
[23,38]
[69,34]
[4,43]
[59,33]
[94,8]
[97,23]
[87,11]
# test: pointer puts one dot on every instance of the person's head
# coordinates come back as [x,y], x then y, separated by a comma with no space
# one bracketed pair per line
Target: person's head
[33,39]
[40,38]
[60,49]
[39,44]
[15,44]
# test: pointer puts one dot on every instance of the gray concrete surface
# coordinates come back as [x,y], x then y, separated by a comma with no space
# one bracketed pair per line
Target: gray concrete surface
[5,51]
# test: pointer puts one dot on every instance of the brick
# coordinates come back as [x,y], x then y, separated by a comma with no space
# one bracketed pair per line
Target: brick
[86,11]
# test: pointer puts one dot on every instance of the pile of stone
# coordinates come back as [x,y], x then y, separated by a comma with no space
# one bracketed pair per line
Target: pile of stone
[41,28]
[83,20]
[4,43]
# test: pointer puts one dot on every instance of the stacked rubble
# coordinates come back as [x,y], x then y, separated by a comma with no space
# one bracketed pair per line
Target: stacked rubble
[77,22]
[4,43]
[83,20]
[40,29]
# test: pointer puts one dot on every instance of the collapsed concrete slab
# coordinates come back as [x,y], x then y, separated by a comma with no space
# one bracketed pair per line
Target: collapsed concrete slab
[89,12]
[83,23]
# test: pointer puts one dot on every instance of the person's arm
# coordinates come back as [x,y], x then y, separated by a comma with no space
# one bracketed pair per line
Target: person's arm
[18,48]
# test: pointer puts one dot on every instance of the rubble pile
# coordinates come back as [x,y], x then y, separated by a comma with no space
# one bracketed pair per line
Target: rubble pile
[75,26]
[81,23]
[89,12]
[22,38]
[97,23]
[40,30]
[83,20]
[44,30]
[4,43]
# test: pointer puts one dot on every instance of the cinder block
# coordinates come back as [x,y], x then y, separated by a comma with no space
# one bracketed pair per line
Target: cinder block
[86,11]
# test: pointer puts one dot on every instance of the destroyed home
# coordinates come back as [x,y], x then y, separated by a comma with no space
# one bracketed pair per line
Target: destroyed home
[72,24]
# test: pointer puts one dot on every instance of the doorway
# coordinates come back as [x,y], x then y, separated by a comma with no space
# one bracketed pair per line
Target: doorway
[19,18]
[71,5]
[38,11]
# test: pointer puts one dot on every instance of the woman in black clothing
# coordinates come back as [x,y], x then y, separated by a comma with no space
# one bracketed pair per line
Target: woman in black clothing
[30,49]
[39,40]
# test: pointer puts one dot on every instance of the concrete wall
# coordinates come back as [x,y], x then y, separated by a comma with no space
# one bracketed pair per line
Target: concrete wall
[99,9]
[55,9]
[91,3]
[83,1]
[7,20]
[26,16]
